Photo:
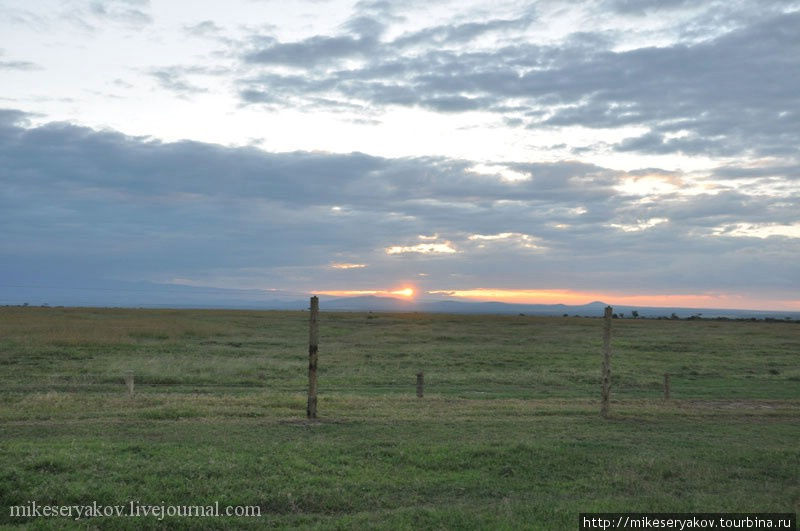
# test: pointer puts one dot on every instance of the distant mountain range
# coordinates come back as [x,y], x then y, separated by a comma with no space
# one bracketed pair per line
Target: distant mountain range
[592,309]
[151,295]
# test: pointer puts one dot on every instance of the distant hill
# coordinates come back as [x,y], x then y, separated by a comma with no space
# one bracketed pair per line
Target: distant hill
[151,295]
[592,309]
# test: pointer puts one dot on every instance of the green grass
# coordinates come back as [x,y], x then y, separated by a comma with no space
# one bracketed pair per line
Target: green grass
[508,435]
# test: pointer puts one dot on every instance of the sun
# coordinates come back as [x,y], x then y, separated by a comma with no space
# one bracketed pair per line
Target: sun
[405,292]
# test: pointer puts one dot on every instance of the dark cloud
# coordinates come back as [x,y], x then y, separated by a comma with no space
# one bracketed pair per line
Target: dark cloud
[733,92]
[781,171]
[656,143]
[460,33]
[365,27]
[454,103]
[641,7]
[311,52]
[138,209]
[13,117]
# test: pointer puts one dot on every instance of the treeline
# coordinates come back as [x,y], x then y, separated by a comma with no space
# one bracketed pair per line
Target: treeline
[696,317]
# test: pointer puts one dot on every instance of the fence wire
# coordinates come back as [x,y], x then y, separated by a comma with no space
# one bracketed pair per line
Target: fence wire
[432,388]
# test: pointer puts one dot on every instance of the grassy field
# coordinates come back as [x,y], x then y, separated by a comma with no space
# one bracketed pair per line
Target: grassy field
[508,435]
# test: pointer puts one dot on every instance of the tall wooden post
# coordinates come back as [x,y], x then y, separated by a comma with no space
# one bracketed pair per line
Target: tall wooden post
[313,345]
[666,386]
[420,384]
[606,361]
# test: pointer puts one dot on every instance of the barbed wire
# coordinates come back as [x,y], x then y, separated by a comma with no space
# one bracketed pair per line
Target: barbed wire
[179,388]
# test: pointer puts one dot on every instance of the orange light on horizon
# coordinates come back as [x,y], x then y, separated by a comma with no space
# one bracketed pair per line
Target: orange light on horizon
[577,298]
[404,292]
[570,297]
[347,292]
[534,296]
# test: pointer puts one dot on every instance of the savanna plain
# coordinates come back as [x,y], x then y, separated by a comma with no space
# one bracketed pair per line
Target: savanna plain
[508,434]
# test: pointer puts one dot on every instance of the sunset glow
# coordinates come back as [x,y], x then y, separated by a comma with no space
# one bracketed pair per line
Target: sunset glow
[404,292]
[517,295]
[577,298]
[338,265]
[569,297]
[416,150]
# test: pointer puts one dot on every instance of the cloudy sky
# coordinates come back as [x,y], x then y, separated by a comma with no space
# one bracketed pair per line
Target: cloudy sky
[631,151]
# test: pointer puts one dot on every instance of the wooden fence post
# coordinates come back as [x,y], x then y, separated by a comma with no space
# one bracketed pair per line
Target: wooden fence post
[606,361]
[313,345]
[666,386]
[420,383]
[129,382]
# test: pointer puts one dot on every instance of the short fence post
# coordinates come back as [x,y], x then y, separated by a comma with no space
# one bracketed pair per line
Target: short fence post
[129,382]
[666,386]
[313,345]
[606,361]
[420,384]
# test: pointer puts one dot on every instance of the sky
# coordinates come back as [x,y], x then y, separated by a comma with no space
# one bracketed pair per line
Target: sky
[630,151]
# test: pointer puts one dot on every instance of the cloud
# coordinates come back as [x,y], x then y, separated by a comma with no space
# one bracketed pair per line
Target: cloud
[13,117]
[102,204]
[422,248]
[92,16]
[641,7]
[782,171]
[124,11]
[344,265]
[731,93]
[25,17]
[203,29]
[460,33]
[17,65]
[504,238]
[174,80]
[310,52]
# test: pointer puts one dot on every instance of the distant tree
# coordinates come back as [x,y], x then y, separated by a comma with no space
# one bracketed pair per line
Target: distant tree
[674,316]
[635,314]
